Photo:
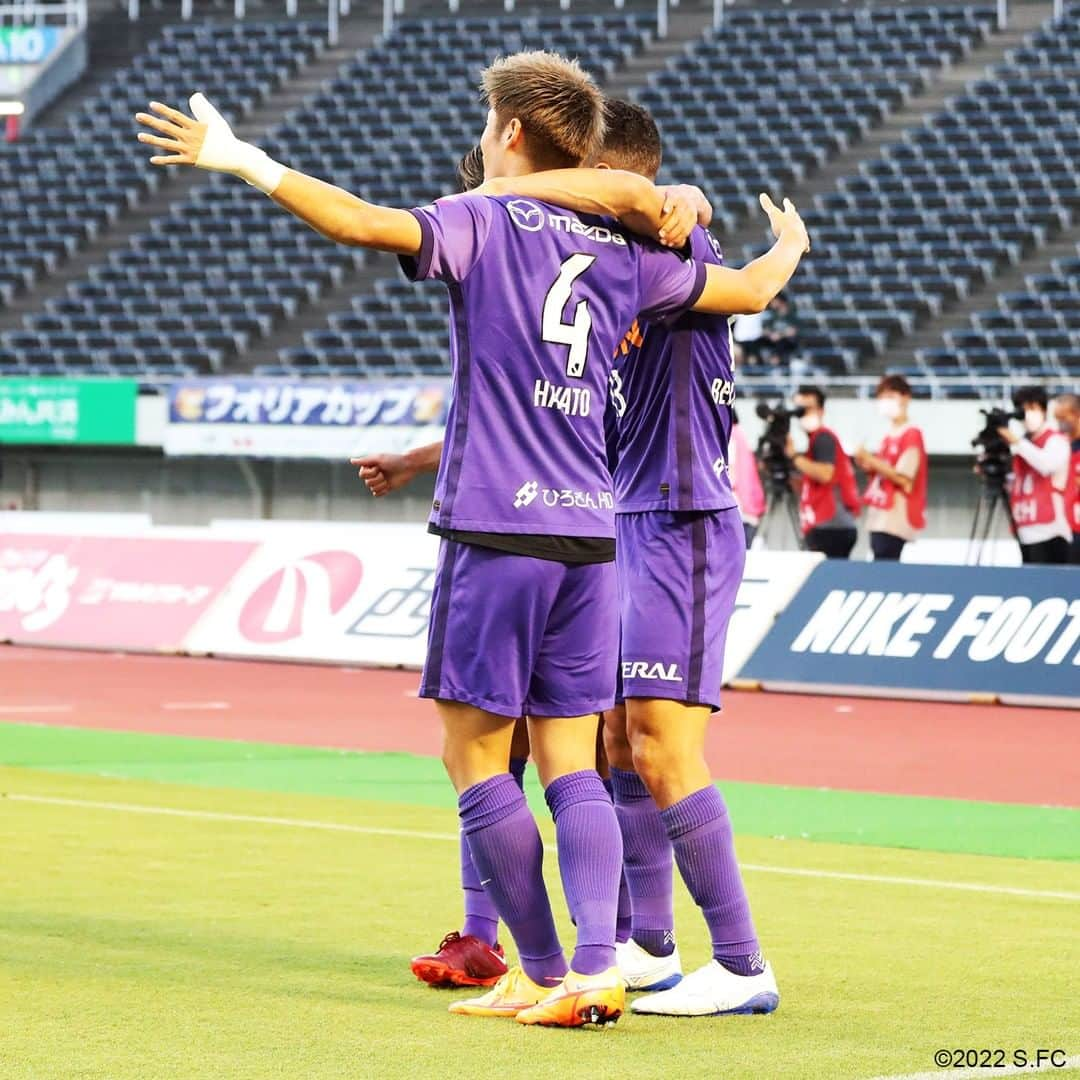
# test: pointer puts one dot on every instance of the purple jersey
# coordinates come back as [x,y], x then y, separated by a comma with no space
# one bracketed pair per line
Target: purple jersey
[539,299]
[672,388]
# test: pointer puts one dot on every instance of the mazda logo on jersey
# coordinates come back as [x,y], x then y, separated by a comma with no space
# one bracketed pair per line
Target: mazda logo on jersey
[526,215]
[939,630]
[296,597]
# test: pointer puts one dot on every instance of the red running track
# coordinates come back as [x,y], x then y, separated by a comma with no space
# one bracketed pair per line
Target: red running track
[988,752]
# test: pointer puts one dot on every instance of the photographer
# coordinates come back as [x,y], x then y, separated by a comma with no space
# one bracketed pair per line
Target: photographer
[1067,415]
[828,499]
[896,493]
[1040,478]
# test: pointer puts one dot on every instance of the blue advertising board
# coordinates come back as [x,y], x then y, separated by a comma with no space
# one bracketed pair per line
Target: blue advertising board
[303,417]
[929,631]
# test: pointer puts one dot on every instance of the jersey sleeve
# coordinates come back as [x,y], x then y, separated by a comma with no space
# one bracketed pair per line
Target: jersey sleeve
[453,233]
[668,283]
[705,247]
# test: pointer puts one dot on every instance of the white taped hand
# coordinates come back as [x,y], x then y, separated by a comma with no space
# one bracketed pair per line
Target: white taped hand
[222,151]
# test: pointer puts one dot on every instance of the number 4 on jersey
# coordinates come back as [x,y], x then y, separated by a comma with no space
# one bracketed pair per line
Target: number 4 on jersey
[574,334]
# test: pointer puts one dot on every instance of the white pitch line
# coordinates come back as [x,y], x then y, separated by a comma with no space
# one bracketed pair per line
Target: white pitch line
[20,710]
[1009,1070]
[250,819]
[196,706]
[373,830]
[932,883]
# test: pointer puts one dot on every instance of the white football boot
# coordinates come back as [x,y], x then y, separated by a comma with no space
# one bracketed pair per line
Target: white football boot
[713,991]
[643,971]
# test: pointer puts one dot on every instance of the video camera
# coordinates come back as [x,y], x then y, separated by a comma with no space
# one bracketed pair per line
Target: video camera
[994,458]
[772,446]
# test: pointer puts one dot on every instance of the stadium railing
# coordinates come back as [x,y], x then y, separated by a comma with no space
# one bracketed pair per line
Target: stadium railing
[335,10]
[393,9]
[924,386]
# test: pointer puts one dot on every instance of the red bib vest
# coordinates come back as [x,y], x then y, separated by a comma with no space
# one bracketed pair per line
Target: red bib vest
[1031,495]
[882,492]
[817,504]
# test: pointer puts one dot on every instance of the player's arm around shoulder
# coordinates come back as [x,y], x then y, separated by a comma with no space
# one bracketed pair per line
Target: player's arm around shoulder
[748,290]
[206,141]
[667,214]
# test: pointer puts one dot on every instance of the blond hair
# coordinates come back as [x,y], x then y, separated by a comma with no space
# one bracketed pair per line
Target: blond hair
[560,108]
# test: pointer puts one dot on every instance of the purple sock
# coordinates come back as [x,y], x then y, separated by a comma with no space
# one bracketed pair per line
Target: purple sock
[517,770]
[646,864]
[590,854]
[509,859]
[700,832]
[623,918]
[481,918]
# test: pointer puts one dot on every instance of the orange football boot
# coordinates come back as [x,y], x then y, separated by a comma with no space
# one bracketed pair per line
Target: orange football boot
[512,993]
[579,1000]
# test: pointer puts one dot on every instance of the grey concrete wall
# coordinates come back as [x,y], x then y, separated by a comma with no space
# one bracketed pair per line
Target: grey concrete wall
[193,491]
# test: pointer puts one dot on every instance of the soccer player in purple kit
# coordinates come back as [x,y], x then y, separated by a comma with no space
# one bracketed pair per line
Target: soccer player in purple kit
[523,614]
[679,538]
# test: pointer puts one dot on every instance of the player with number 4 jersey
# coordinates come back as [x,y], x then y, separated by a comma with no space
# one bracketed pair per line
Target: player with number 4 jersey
[680,555]
[524,618]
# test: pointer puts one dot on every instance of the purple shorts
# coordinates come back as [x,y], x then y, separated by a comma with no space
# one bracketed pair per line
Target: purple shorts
[519,636]
[679,572]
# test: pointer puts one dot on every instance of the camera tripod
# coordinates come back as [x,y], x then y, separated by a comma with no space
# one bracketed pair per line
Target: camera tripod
[991,496]
[781,504]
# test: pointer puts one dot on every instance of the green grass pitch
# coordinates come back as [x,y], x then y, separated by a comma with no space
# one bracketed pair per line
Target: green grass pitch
[138,946]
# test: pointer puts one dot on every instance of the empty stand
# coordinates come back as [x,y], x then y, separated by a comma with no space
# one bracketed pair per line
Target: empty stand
[59,187]
[981,185]
[226,267]
[737,116]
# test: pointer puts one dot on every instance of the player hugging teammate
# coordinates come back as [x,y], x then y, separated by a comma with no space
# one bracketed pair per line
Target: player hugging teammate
[526,608]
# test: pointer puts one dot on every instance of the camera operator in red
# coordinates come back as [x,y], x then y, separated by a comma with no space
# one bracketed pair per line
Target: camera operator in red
[828,497]
[1038,490]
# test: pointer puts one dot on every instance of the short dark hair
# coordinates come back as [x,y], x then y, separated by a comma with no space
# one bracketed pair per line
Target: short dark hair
[1031,395]
[815,392]
[631,139]
[470,170]
[897,384]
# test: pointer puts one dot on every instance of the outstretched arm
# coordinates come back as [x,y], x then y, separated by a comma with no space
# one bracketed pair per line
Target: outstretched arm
[207,142]
[667,214]
[749,290]
[383,473]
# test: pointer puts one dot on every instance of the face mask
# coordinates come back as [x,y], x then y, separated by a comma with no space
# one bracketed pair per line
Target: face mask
[889,407]
[1034,420]
[809,424]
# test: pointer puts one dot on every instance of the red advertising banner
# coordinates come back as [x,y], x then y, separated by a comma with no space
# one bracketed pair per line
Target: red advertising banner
[143,593]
